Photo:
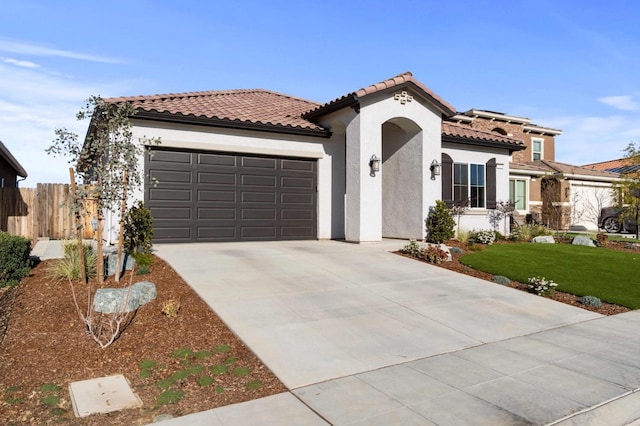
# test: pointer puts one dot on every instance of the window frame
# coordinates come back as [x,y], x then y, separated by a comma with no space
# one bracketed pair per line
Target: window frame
[469,174]
[524,196]
[534,152]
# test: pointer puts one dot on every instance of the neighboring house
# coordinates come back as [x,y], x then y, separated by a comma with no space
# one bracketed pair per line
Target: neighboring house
[621,165]
[257,165]
[556,194]
[10,169]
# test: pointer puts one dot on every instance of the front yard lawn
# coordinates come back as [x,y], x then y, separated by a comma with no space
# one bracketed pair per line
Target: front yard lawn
[608,274]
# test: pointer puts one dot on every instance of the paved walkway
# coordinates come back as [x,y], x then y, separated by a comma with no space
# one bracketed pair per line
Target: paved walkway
[363,336]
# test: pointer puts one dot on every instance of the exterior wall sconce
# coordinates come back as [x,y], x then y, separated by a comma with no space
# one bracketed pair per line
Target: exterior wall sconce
[94,224]
[374,164]
[435,169]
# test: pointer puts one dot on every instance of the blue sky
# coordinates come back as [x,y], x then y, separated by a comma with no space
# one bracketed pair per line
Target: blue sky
[567,64]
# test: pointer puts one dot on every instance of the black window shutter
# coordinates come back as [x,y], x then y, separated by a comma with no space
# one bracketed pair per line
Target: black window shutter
[446,172]
[491,184]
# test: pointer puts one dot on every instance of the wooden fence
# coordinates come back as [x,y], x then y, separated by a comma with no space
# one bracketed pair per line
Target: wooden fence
[39,212]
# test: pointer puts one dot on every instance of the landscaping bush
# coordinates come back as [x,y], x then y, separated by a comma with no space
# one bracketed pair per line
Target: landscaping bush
[463,235]
[483,237]
[602,239]
[429,253]
[590,301]
[138,229]
[455,250]
[69,266]
[528,232]
[15,263]
[414,248]
[439,224]
[501,279]
[541,286]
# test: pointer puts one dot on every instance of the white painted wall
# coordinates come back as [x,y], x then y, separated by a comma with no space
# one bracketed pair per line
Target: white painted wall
[478,219]
[587,198]
[364,138]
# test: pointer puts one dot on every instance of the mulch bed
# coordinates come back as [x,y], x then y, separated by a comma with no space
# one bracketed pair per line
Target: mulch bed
[46,344]
[569,299]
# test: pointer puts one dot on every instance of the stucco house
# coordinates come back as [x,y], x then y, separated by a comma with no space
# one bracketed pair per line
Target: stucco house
[10,169]
[560,195]
[241,165]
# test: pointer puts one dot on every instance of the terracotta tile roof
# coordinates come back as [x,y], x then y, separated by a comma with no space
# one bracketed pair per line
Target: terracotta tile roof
[254,106]
[399,80]
[608,165]
[549,166]
[465,132]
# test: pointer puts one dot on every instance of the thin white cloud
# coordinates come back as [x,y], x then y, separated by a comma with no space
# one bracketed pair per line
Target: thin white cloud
[26,48]
[587,140]
[624,103]
[33,103]
[19,63]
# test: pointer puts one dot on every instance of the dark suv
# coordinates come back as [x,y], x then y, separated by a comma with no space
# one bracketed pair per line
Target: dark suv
[612,220]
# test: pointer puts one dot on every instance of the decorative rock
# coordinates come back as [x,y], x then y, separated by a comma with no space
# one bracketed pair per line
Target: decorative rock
[583,240]
[113,300]
[545,239]
[110,264]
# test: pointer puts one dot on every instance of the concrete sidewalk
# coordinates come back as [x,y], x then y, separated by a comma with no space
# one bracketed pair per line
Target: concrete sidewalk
[363,336]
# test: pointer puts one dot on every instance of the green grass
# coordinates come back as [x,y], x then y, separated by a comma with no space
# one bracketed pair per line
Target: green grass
[607,274]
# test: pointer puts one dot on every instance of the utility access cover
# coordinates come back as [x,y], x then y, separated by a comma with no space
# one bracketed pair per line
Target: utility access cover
[102,395]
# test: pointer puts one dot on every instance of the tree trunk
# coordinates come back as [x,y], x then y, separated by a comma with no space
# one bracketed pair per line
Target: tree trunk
[123,211]
[78,220]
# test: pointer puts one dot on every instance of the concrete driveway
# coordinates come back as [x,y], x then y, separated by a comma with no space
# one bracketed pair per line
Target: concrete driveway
[363,336]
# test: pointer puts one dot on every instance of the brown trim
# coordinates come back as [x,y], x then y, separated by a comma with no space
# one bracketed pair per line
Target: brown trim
[491,184]
[446,174]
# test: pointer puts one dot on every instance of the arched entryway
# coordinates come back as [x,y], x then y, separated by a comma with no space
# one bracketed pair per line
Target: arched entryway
[402,179]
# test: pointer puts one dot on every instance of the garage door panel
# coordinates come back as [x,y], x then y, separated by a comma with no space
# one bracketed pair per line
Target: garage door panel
[205,213]
[171,157]
[177,234]
[227,179]
[208,196]
[256,180]
[288,214]
[259,163]
[175,195]
[216,233]
[227,196]
[258,232]
[305,199]
[258,214]
[172,176]
[217,160]
[306,166]
[296,182]
[181,213]
[259,197]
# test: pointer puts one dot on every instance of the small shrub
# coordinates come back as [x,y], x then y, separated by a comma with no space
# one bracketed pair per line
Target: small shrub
[590,301]
[254,384]
[475,247]
[241,371]
[219,369]
[182,353]
[222,349]
[138,229]
[433,254]
[171,308]
[68,267]
[455,250]
[500,279]
[483,237]
[463,235]
[541,286]
[602,239]
[51,400]
[15,263]
[169,396]
[414,248]
[439,224]
[205,381]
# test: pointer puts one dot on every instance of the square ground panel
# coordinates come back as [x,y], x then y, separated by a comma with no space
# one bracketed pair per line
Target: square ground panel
[102,395]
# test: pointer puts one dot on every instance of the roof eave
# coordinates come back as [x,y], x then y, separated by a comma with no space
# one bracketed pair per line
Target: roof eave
[20,171]
[230,124]
[485,143]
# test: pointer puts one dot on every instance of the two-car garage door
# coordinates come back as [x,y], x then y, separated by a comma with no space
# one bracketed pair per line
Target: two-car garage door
[212,196]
